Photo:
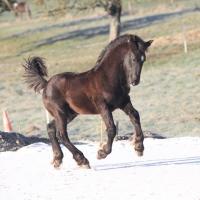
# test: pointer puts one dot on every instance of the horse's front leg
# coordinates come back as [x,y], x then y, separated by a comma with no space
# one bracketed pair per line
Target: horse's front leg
[107,117]
[135,119]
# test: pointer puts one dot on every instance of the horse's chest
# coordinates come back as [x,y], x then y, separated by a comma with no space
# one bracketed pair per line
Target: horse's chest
[117,97]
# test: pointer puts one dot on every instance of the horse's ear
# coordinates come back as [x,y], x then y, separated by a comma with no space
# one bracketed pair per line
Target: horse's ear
[130,38]
[133,40]
[148,44]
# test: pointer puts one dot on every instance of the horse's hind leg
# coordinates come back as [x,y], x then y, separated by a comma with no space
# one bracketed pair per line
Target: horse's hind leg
[61,124]
[135,119]
[57,152]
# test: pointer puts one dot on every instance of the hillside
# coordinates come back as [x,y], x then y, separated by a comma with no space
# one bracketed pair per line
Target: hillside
[168,97]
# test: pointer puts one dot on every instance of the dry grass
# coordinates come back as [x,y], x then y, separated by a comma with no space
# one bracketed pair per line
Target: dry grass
[167,98]
[192,36]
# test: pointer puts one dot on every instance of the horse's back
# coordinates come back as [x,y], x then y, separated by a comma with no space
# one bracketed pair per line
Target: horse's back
[71,89]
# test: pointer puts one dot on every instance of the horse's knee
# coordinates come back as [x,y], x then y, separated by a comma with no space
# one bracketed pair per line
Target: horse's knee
[129,110]
[63,137]
[136,115]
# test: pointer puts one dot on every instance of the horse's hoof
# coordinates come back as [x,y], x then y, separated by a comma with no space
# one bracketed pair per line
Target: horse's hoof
[85,166]
[139,153]
[83,163]
[139,148]
[56,163]
[101,154]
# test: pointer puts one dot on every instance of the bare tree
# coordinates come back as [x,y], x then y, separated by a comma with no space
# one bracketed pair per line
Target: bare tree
[114,10]
[112,7]
[8,4]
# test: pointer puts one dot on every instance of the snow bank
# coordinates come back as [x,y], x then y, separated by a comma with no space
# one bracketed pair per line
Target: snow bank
[169,169]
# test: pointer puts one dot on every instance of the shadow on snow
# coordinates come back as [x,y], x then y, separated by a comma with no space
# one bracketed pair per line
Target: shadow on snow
[150,163]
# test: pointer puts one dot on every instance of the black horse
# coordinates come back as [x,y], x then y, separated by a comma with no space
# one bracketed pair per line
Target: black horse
[100,90]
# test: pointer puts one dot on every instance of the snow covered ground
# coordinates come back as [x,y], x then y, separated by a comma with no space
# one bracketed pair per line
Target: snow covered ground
[169,169]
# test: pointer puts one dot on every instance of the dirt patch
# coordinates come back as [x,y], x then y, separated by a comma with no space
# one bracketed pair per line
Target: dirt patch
[192,36]
[147,134]
[14,141]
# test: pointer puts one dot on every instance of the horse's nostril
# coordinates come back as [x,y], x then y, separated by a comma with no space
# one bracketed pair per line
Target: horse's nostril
[136,82]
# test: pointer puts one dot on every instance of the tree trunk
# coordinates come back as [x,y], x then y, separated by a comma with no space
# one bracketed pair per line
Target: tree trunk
[114,27]
[114,11]
[9,5]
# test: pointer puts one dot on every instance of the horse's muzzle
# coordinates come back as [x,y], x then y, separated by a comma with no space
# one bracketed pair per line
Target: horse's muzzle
[135,82]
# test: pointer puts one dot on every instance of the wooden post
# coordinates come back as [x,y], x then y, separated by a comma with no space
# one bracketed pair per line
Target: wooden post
[184,37]
[47,116]
[130,8]
[185,44]
[6,122]
[19,126]
[184,40]
[114,10]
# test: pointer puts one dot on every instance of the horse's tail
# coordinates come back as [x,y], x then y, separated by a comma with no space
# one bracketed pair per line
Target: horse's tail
[35,71]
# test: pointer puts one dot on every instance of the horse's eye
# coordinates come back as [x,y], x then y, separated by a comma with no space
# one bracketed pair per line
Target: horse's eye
[142,58]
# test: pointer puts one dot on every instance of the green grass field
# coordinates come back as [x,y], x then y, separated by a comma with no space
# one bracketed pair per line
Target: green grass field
[168,97]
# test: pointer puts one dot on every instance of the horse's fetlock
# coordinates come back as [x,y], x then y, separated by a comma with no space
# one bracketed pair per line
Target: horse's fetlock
[101,154]
[56,163]
[80,159]
[139,147]
[107,149]
[58,155]
[78,156]
[138,140]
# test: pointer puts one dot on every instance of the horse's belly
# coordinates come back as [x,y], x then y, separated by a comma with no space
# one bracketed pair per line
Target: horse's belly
[82,106]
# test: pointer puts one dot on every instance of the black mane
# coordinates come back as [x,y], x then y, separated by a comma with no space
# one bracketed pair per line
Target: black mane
[114,43]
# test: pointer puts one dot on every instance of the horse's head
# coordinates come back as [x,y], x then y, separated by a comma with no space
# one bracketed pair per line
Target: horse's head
[134,58]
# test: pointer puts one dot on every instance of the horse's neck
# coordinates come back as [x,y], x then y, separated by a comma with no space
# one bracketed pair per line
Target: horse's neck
[112,67]
[114,60]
